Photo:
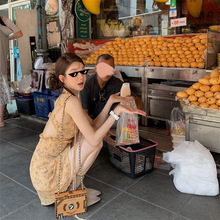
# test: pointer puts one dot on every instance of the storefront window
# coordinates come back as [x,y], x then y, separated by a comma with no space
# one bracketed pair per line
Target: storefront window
[4,12]
[126,18]
[2,2]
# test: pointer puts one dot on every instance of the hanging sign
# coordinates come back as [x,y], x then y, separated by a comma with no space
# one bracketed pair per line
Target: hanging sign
[172,4]
[173,13]
[83,20]
[173,10]
[178,22]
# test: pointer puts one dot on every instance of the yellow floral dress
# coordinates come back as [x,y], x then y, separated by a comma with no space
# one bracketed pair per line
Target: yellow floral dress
[44,167]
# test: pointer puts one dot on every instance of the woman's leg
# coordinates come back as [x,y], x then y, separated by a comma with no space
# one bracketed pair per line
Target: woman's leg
[2,108]
[88,155]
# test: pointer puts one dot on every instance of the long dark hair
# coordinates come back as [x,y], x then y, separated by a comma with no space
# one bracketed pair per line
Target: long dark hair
[62,64]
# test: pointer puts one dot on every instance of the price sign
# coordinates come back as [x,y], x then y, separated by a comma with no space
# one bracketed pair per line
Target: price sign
[178,22]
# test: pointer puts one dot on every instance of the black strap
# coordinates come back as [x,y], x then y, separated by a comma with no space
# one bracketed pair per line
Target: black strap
[68,91]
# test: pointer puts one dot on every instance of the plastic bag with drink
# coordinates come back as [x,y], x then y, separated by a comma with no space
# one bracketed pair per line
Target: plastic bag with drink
[127,127]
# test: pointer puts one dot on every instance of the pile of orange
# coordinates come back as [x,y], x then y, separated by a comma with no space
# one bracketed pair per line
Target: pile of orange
[204,93]
[158,51]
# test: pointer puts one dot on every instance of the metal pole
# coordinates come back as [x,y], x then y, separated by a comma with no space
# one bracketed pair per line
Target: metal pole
[39,23]
[43,25]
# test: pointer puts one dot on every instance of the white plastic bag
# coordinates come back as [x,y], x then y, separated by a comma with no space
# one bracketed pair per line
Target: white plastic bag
[194,169]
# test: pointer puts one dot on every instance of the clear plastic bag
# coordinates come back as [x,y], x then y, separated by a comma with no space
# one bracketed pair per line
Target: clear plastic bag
[177,121]
[127,128]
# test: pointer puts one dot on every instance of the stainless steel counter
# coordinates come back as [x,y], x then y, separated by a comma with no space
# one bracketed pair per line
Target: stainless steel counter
[185,74]
[203,125]
[158,98]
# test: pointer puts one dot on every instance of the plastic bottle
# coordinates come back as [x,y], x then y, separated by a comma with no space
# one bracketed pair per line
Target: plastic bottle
[125,90]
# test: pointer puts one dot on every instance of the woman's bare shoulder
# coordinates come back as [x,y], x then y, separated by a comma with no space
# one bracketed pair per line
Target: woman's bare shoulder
[73,101]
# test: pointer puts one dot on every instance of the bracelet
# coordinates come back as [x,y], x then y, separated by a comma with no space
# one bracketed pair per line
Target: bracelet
[116,117]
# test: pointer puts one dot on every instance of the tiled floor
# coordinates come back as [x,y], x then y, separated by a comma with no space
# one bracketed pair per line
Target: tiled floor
[152,196]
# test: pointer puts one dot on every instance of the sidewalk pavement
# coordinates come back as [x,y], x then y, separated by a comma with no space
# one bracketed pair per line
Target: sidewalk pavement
[152,196]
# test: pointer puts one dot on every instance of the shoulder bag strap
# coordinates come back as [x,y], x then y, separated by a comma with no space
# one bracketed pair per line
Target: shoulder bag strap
[61,144]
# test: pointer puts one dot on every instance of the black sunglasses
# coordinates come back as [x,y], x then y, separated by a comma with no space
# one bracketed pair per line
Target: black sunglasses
[76,73]
[101,95]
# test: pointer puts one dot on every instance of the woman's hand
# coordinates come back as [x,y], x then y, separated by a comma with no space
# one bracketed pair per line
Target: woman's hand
[128,109]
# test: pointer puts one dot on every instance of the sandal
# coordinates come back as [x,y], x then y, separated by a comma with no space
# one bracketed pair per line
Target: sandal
[93,192]
[91,199]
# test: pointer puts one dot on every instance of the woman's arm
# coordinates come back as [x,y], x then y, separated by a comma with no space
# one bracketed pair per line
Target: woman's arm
[16,32]
[15,35]
[74,109]
[115,98]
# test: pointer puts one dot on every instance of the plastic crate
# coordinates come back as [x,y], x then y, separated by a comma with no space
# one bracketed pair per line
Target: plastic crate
[25,106]
[56,92]
[136,162]
[46,91]
[41,104]
[52,100]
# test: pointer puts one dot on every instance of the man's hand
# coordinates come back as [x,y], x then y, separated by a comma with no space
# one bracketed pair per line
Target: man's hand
[128,109]
[117,98]
[139,103]
[108,139]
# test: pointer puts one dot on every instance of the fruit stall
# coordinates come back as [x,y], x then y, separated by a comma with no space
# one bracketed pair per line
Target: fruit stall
[158,67]
[161,57]
[172,75]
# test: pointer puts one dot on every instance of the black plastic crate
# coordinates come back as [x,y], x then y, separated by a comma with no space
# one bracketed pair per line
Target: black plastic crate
[136,162]
[25,106]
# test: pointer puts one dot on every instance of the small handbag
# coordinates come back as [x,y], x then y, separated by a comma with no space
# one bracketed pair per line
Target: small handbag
[73,202]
